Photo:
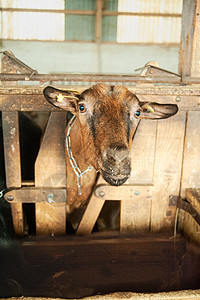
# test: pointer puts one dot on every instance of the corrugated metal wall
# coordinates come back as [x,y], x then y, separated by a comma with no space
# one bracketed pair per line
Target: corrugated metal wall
[80,27]
[149,29]
[32,25]
[126,29]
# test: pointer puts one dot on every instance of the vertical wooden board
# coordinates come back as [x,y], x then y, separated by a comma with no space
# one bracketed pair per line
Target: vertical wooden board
[10,125]
[189,58]
[195,66]
[187,31]
[142,153]
[191,162]
[135,213]
[92,212]
[90,216]
[50,171]
[167,171]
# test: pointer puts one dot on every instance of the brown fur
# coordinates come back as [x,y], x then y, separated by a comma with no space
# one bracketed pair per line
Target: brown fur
[102,135]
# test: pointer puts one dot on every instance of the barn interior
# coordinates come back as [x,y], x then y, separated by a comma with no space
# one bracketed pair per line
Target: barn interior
[140,240]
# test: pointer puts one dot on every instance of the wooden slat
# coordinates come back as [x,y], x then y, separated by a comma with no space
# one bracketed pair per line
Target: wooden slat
[50,171]
[37,102]
[77,267]
[190,36]
[135,212]
[167,171]
[13,163]
[33,195]
[10,124]
[90,216]
[189,217]
[191,163]
[98,27]
[142,153]
[123,192]
[92,212]
[193,197]
[140,89]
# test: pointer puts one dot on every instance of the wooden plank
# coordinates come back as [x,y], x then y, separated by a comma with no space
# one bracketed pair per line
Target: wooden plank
[140,89]
[167,171]
[10,124]
[90,216]
[92,212]
[142,153]
[189,218]
[50,171]
[135,212]
[75,268]
[189,59]
[193,197]
[191,163]
[37,102]
[10,127]
[89,78]
[33,195]
[123,192]
[98,25]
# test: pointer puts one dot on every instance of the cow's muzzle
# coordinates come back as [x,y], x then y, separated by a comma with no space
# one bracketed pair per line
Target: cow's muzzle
[116,165]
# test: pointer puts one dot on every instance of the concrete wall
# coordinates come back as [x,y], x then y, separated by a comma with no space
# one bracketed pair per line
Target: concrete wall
[65,57]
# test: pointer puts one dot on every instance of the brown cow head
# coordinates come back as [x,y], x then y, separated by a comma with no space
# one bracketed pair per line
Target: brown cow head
[108,117]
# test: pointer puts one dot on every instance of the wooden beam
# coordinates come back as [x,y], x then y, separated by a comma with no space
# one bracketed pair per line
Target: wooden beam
[50,171]
[189,59]
[34,195]
[185,99]
[90,12]
[78,267]
[10,126]
[98,26]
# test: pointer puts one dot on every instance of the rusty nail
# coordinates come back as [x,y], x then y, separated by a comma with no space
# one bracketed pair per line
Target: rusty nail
[10,198]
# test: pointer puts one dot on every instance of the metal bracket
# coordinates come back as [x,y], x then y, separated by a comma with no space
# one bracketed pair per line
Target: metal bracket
[186,206]
[152,69]
[11,62]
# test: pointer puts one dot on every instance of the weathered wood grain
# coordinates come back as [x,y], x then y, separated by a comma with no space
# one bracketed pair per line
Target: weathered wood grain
[50,171]
[10,125]
[167,171]
[78,267]
[191,163]
[135,212]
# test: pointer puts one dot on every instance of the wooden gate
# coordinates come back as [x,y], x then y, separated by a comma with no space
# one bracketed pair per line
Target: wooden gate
[165,154]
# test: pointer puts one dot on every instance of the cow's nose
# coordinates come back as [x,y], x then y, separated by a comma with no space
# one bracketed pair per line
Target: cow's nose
[117,155]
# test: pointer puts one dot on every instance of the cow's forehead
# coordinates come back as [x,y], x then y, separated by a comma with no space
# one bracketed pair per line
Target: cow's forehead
[102,93]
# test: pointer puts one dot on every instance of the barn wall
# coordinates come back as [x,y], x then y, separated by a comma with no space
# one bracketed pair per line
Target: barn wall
[58,57]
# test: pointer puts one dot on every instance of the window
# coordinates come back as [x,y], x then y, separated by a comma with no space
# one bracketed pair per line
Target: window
[122,21]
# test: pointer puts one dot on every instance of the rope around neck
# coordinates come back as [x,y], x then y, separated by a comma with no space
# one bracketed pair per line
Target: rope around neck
[72,160]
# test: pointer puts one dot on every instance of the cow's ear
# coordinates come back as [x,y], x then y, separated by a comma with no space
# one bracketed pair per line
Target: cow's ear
[64,99]
[148,110]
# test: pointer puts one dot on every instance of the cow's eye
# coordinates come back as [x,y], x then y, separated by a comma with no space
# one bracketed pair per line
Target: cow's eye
[137,113]
[82,108]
